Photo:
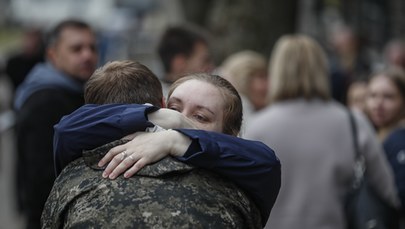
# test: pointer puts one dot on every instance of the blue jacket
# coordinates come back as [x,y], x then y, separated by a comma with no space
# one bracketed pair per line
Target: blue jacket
[251,165]
[394,146]
[45,76]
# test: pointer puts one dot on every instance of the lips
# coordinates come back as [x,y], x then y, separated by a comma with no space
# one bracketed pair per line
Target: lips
[377,116]
[88,67]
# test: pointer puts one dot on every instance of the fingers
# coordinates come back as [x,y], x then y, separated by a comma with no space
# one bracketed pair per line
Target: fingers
[111,154]
[120,167]
[116,160]
[135,168]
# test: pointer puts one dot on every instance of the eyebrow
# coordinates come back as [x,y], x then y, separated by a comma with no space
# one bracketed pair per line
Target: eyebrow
[178,100]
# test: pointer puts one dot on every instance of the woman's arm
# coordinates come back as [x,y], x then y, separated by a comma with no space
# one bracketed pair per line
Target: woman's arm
[249,164]
[93,125]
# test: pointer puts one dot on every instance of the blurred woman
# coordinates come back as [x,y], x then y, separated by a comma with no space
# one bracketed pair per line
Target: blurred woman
[386,100]
[356,96]
[247,71]
[386,110]
[314,141]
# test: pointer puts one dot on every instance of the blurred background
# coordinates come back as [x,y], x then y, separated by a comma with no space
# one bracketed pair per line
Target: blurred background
[130,29]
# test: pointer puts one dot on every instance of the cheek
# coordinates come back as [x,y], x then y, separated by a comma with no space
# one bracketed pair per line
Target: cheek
[214,126]
[372,103]
[219,126]
[395,107]
[200,126]
[259,85]
[68,59]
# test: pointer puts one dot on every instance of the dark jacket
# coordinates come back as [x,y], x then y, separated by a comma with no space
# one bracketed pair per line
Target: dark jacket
[394,146]
[37,113]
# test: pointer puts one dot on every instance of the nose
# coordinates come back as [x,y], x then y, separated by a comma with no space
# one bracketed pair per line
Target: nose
[377,103]
[89,53]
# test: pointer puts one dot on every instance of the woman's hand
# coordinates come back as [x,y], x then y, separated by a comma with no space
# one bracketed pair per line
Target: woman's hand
[144,149]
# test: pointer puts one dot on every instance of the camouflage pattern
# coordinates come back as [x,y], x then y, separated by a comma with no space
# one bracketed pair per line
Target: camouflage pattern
[167,194]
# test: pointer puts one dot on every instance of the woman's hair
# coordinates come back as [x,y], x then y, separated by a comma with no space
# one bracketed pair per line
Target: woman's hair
[298,69]
[396,75]
[239,67]
[233,105]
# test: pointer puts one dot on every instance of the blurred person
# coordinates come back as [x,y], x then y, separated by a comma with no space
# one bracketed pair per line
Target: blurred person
[313,138]
[169,183]
[386,109]
[356,96]
[247,71]
[394,53]
[386,100]
[348,61]
[31,53]
[182,51]
[51,90]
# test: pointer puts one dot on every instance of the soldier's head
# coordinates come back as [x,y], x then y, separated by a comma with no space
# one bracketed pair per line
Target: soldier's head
[124,82]
[210,101]
[183,51]
[71,48]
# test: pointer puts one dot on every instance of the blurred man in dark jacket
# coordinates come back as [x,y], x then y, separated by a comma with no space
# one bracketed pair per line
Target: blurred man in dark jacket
[50,90]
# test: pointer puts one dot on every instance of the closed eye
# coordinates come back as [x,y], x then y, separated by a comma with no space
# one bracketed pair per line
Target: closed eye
[174,108]
[200,118]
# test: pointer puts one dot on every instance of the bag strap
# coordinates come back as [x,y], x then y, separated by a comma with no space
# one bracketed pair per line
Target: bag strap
[354,136]
[359,161]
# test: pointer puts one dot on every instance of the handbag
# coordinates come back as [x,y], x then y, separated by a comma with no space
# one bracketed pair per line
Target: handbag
[364,208]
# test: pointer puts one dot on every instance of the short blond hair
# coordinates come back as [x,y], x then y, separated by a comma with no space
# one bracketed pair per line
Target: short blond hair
[239,67]
[298,69]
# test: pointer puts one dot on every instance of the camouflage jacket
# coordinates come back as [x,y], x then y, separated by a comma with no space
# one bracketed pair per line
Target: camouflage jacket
[167,194]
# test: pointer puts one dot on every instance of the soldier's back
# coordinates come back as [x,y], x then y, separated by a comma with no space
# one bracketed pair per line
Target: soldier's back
[167,194]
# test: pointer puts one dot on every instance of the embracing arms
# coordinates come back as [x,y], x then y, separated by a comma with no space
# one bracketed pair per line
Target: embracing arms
[251,165]
[91,126]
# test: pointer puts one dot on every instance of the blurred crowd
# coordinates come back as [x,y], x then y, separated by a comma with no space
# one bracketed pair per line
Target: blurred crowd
[295,100]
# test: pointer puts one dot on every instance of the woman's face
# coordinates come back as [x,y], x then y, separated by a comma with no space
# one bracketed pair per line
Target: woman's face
[258,88]
[384,102]
[201,102]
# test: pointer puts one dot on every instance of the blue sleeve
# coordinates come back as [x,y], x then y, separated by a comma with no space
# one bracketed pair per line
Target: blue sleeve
[251,165]
[92,125]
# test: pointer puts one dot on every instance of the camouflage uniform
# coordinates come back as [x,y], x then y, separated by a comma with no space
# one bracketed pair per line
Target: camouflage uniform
[167,194]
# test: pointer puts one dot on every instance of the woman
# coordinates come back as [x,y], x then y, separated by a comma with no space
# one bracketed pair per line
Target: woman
[386,101]
[386,110]
[312,136]
[247,71]
[210,103]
